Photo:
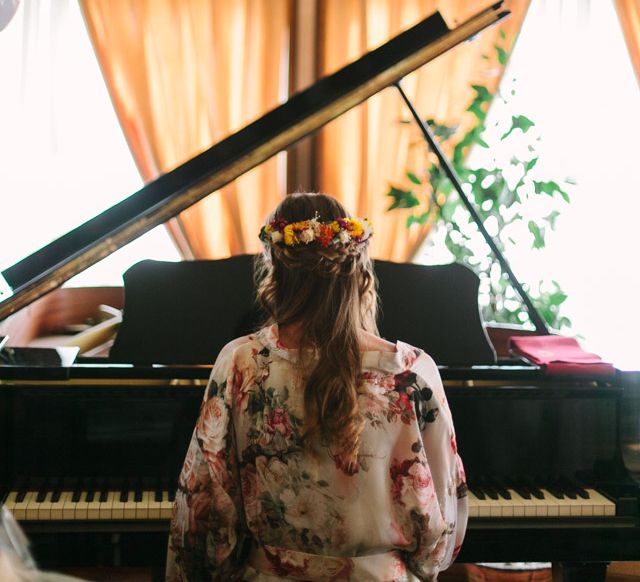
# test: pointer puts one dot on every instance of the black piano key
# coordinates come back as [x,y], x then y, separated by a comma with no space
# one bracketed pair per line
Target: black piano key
[172,494]
[552,488]
[101,489]
[500,488]
[42,495]
[488,488]
[55,495]
[490,492]
[21,495]
[558,484]
[533,487]
[158,494]
[137,495]
[90,490]
[575,487]
[516,484]
[476,491]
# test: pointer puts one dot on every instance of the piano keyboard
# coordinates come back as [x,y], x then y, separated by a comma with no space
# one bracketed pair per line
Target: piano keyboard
[485,501]
[85,505]
[507,502]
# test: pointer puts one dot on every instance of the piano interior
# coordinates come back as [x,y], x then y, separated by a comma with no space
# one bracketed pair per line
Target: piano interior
[91,449]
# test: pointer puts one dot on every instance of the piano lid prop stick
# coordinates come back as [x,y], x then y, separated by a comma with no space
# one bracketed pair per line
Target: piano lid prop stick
[536,319]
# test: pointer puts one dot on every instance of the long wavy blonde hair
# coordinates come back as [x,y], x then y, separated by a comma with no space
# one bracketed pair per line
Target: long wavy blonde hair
[331,293]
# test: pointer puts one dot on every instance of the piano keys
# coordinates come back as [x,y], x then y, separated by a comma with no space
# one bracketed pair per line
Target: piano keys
[84,505]
[47,505]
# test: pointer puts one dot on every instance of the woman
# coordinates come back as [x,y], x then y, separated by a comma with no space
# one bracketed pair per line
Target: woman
[322,451]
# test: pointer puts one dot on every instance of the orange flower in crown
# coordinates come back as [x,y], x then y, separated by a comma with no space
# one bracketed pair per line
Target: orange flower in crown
[341,231]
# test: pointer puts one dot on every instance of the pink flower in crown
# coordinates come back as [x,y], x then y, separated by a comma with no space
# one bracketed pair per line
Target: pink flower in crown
[278,421]
[454,444]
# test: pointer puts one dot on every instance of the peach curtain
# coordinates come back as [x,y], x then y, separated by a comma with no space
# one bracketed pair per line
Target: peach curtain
[184,74]
[629,15]
[367,149]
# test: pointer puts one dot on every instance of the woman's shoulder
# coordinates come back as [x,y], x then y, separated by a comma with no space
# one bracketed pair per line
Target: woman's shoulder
[373,343]
[232,349]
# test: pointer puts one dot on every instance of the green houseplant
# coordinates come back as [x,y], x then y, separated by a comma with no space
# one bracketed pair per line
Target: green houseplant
[517,206]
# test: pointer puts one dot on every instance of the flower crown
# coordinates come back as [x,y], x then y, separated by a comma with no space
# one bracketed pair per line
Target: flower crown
[340,231]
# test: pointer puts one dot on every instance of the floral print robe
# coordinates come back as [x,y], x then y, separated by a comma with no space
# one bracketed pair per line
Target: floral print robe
[253,505]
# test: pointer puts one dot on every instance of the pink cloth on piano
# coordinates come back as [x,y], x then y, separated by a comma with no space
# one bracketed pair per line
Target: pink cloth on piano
[560,355]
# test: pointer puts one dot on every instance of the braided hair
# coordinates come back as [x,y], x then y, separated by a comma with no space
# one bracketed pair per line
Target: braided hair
[331,292]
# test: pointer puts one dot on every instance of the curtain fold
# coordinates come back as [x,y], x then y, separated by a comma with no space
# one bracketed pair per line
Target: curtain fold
[629,15]
[184,74]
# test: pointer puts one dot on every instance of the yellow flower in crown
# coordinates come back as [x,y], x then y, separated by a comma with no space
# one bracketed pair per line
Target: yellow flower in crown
[355,227]
[340,231]
[290,237]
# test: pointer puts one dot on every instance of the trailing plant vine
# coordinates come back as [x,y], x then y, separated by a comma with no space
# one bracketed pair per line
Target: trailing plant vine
[516,205]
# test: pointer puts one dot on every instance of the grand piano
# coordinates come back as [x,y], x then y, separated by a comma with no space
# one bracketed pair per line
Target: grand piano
[91,447]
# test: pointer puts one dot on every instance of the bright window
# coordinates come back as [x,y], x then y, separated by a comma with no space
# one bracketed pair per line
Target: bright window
[63,158]
[573,77]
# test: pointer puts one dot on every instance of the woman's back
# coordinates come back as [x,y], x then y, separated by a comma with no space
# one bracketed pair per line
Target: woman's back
[305,510]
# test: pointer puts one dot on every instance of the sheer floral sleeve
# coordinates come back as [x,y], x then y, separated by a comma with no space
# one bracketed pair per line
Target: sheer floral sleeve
[439,441]
[208,520]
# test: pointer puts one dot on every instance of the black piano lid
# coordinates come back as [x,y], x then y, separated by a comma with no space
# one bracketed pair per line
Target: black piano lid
[173,192]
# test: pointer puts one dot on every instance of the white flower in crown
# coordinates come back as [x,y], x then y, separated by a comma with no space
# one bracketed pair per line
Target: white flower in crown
[344,236]
[276,236]
[306,236]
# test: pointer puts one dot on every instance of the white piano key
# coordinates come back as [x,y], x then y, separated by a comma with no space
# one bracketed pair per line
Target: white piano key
[104,507]
[57,507]
[130,507]
[32,506]
[166,506]
[20,508]
[117,506]
[516,505]
[44,508]
[154,506]
[82,507]
[602,506]
[142,507]
[69,507]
